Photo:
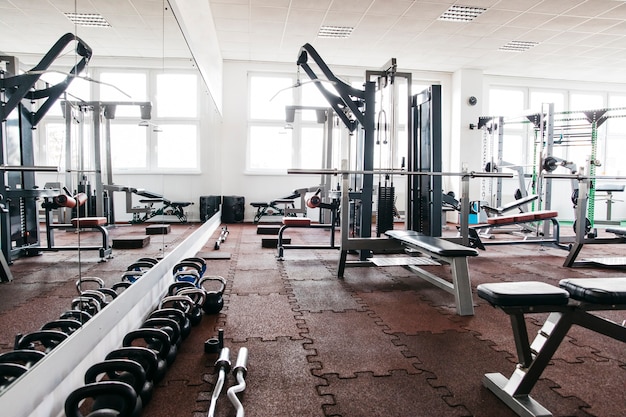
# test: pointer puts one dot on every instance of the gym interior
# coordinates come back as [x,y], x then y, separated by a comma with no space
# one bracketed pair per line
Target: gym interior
[312,208]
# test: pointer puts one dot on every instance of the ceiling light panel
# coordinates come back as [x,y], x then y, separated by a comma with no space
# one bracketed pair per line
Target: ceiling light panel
[88,19]
[336,32]
[518,46]
[459,13]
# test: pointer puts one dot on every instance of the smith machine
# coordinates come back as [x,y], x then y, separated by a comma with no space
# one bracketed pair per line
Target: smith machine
[23,105]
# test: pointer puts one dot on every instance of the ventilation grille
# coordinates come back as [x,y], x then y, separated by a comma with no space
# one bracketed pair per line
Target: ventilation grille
[88,19]
[458,13]
[518,46]
[337,32]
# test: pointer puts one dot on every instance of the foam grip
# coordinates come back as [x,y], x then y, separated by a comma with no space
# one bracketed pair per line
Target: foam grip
[65,201]
[314,202]
[81,198]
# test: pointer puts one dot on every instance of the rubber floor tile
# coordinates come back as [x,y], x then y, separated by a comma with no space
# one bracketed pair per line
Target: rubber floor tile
[279,381]
[307,269]
[466,361]
[414,316]
[174,399]
[351,342]
[266,317]
[593,382]
[261,281]
[323,295]
[260,261]
[369,279]
[398,394]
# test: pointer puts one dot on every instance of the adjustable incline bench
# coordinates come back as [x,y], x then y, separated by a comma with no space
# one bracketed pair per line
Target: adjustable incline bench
[520,218]
[447,252]
[499,211]
[571,304]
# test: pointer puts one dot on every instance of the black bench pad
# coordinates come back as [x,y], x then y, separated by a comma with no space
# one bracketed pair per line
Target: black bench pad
[596,290]
[526,293]
[616,230]
[257,205]
[434,245]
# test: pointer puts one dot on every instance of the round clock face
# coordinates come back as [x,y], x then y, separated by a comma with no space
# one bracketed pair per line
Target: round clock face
[472,101]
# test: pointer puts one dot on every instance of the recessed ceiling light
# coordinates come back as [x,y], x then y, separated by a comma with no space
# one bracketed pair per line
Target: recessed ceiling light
[88,19]
[335,32]
[518,46]
[458,13]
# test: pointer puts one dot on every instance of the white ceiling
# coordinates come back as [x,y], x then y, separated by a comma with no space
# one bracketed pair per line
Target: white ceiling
[578,39]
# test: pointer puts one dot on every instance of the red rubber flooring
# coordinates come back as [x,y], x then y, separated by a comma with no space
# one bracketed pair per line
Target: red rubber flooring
[380,342]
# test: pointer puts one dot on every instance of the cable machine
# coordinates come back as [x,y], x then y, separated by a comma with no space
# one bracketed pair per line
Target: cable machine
[23,105]
[357,109]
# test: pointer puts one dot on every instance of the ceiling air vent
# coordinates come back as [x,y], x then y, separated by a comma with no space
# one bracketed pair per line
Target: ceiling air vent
[518,46]
[337,32]
[458,13]
[88,19]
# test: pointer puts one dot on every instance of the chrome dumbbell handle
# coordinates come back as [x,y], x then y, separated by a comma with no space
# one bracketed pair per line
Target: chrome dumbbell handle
[223,364]
[240,370]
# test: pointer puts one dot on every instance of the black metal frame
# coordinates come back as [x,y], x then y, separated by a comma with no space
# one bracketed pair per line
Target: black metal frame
[19,228]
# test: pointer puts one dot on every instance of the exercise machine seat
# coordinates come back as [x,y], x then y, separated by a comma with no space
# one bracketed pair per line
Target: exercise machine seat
[434,245]
[596,290]
[89,221]
[527,293]
[297,221]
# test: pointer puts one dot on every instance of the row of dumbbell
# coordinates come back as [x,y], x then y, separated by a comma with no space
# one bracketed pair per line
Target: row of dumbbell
[30,348]
[122,384]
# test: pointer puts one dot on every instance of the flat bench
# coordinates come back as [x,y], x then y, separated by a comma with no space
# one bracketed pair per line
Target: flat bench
[447,252]
[568,305]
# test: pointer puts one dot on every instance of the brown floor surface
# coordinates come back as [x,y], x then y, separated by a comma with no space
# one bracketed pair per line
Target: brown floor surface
[380,342]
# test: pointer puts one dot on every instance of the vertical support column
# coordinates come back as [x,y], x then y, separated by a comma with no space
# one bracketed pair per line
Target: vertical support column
[368,165]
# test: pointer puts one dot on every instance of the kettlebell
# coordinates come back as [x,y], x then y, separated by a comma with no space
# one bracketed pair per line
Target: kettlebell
[198,296]
[122,399]
[214,302]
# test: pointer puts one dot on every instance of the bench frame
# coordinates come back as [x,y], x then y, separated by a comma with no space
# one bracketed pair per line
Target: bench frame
[105,250]
[460,286]
[553,237]
[301,222]
[534,358]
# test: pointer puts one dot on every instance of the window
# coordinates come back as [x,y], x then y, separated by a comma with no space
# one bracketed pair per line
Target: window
[129,146]
[177,147]
[176,95]
[124,87]
[274,144]
[162,143]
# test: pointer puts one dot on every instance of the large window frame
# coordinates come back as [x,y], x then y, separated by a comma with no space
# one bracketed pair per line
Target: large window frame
[152,129]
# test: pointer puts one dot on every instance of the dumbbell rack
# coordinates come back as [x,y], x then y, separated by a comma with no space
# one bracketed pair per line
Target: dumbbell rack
[41,391]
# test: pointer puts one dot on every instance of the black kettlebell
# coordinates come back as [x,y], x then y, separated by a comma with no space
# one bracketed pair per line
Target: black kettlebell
[177,315]
[25,357]
[122,370]
[154,339]
[43,340]
[9,372]
[198,296]
[214,302]
[122,399]
[148,360]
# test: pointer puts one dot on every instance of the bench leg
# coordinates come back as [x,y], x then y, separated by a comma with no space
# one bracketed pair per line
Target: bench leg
[342,263]
[515,391]
[462,287]
[106,250]
[281,249]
